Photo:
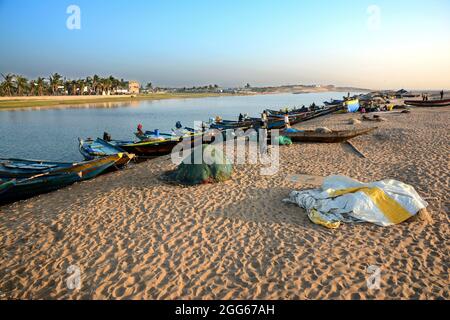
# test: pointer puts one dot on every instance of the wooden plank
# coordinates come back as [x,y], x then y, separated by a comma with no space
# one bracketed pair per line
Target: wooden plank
[356,149]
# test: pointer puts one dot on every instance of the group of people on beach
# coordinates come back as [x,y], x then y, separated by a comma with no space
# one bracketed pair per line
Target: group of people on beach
[425,95]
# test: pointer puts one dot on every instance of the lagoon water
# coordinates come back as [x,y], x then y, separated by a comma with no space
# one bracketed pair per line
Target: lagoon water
[52,133]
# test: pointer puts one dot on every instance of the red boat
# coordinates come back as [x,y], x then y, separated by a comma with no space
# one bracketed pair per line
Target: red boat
[429,103]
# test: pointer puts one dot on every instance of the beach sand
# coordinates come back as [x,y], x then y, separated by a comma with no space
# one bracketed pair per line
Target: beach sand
[134,237]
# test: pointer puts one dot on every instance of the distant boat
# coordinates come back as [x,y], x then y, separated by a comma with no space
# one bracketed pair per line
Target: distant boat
[24,168]
[429,103]
[333,102]
[92,149]
[326,137]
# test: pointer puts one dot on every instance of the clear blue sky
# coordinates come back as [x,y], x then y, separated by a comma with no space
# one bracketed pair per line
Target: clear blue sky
[263,42]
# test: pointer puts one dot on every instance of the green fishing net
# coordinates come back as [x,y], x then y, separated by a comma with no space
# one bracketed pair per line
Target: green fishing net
[284,141]
[205,164]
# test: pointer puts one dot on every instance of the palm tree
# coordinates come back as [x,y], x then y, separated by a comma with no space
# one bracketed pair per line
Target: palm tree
[32,86]
[55,82]
[96,83]
[149,86]
[22,84]
[80,85]
[107,84]
[68,86]
[115,83]
[40,85]
[88,83]
[123,84]
[2,89]
[8,84]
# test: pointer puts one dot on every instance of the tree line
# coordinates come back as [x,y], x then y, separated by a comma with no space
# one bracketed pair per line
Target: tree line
[55,84]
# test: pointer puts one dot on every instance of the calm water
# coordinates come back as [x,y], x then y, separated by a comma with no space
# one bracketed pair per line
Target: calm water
[51,134]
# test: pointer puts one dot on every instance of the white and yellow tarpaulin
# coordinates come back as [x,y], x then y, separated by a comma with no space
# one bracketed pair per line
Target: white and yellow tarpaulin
[341,199]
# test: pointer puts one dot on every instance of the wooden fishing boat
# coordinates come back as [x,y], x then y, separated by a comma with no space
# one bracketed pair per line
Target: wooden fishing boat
[157,148]
[278,122]
[28,187]
[176,134]
[24,168]
[233,125]
[290,112]
[429,103]
[326,137]
[147,148]
[93,149]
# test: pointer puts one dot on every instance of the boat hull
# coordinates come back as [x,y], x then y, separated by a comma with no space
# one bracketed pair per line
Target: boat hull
[429,103]
[28,187]
[161,148]
[332,137]
[23,168]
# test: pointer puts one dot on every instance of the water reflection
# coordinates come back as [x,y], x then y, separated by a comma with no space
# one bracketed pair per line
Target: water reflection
[97,105]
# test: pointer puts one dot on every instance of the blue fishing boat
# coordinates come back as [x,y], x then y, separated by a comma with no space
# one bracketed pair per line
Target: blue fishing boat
[29,187]
[93,149]
[24,168]
[26,187]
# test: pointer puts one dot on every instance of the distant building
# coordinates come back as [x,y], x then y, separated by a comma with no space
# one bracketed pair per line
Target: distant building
[133,87]
[121,91]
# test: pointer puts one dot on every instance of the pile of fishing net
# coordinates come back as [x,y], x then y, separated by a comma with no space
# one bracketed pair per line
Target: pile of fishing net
[284,141]
[205,164]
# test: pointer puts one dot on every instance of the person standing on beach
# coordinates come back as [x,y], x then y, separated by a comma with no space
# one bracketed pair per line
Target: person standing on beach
[140,132]
[264,120]
[286,121]
[442,95]
[262,133]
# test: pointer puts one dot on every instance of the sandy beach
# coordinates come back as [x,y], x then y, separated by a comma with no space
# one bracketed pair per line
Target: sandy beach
[134,237]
